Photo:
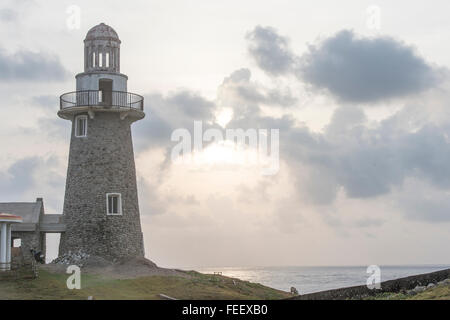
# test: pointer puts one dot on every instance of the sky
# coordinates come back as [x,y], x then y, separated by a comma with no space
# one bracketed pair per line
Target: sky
[359,91]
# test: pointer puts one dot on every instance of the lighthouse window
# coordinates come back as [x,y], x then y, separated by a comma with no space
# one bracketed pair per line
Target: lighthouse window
[107,59]
[113,204]
[81,126]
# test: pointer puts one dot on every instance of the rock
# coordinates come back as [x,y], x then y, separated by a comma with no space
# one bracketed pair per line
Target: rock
[430,285]
[419,289]
[411,293]
[444,282]
[77,258]
[294,291]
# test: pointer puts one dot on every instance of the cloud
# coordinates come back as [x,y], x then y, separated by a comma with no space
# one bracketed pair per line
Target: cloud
[427,151]
[8,15]
[353,69]
[270,50]
[250,92]
[357,69]
[164,114]
[434,209]
[368,162]
[25,65]
[369,222]
[353,156]
[18,178]
[363,159]
[50,102]
[34,176]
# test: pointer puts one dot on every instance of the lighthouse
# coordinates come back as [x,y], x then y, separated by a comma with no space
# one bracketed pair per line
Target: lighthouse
[101,210]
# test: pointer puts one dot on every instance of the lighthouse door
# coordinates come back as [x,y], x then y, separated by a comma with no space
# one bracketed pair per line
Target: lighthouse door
[105,88]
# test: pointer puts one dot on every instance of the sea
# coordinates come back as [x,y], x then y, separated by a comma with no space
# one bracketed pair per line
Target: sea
[314,279]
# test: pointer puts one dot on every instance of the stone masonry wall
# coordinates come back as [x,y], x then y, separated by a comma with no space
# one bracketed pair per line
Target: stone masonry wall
[101,163]
[29,240]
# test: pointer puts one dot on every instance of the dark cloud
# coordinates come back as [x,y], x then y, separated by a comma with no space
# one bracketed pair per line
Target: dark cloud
[430,210]
[427,152]
[421,201]
[369,162]
[18,178]
[283,98]
[32,177]
[192,105]
[345,119]
[351,68]
[270,50]
[164,114]
[25,65]
[251,93]
[357,69]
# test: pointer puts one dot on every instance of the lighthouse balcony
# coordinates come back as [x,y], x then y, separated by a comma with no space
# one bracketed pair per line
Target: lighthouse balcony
[91,101]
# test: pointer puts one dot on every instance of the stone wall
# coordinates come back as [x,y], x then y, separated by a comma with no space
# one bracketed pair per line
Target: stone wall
[29,240]
[392,286]
[101,163]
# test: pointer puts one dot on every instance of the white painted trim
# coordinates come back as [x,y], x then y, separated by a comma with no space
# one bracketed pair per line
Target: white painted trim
[83,116]
[3,248]
[119,204]
[8,243]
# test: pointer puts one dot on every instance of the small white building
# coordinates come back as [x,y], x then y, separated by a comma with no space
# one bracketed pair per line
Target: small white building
[6,222]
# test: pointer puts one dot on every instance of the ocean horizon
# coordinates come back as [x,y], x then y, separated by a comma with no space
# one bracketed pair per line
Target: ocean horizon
[314,279]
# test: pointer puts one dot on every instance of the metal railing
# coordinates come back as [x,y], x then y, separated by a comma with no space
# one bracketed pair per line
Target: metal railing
[100,98]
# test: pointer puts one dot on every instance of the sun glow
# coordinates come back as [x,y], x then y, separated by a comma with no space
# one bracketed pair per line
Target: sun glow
[224,152]
[224,116]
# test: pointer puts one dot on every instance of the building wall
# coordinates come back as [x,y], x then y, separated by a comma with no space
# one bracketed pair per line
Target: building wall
[29,240]
[101,163]
[90,81]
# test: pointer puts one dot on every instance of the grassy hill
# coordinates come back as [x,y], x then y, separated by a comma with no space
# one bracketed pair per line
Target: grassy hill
[192,285]
[439,292]
[51,284]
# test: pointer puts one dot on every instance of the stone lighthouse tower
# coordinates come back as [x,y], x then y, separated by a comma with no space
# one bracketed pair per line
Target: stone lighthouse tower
[101,210]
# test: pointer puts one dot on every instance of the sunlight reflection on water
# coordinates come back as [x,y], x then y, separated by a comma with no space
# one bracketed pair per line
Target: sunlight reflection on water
[313,279]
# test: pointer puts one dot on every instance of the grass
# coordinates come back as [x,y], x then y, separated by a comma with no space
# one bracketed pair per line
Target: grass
[440,292]
[194,285]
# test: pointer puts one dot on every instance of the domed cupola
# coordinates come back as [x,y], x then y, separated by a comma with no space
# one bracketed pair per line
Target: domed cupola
[102,49]
[101,87]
